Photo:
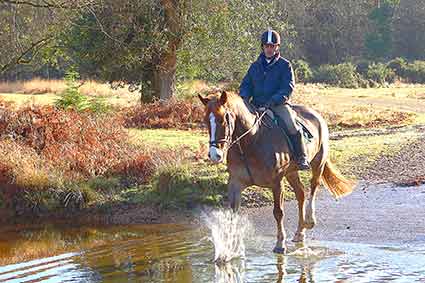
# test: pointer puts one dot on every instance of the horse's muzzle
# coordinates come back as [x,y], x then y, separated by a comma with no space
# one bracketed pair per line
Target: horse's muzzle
[215,154]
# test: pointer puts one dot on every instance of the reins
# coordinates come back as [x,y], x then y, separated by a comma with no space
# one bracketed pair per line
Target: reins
[228,138]
[257,120]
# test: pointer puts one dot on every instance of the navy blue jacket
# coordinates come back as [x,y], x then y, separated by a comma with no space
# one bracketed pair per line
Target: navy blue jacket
[268,82]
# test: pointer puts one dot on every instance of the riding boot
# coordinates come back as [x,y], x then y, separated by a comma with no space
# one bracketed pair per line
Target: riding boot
[300,151]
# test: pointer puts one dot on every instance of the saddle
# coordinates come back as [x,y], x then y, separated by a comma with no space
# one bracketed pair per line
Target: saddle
[276,120]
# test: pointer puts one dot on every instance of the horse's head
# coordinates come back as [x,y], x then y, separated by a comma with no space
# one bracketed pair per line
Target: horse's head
[221,124]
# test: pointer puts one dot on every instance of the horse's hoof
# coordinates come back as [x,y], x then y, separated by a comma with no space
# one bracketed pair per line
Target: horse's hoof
[309,225]
[278,250]
[298,238]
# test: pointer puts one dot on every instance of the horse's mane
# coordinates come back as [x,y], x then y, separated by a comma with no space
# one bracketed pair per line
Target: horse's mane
[234,101]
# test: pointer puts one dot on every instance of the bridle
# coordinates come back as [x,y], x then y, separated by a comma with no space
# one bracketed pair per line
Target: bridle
[227,140]
[229,129]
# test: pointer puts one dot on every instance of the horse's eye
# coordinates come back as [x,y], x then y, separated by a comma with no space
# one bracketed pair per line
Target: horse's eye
[220,120]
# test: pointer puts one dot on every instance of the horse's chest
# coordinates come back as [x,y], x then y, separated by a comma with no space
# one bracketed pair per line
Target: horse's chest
[260,164]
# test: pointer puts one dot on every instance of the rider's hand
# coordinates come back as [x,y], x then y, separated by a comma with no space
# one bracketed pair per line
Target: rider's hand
[268,104]
[278,99]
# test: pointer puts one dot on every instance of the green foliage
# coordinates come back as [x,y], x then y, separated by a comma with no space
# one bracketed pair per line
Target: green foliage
[414,72]
[342,75]
[187,186]
[380,73]
[378,43]
[397,65]
[104,184]
[71,98]
[362,66]
[302,71]
[225,38]
[99,104]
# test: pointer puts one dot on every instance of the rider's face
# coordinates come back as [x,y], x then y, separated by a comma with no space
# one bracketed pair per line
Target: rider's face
[270,49]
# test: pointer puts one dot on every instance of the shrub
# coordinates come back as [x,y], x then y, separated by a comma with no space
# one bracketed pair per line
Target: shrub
[184,186]
[169,114]
[380,73]
[362,67]
[302,71]
[81,144]
[397,65]
[415,72]
[342,75]
[71,98]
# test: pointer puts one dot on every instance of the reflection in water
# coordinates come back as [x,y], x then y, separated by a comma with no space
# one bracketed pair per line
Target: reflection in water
[178,254]
[230,272]
[281,271]
[233,272]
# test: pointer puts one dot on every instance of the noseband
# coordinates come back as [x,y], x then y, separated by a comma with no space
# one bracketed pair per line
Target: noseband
[230,127]
[228,131]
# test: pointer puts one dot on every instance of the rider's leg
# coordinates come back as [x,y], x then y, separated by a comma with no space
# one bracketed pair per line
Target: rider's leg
[285,112]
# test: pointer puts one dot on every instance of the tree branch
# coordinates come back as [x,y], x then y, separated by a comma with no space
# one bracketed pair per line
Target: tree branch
[36,46]
[45,4]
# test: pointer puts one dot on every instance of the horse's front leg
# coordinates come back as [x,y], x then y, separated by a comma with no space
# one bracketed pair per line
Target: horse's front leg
[234,193]
[278,215]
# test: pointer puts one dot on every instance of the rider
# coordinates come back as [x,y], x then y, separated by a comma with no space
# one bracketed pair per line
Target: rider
[270,81]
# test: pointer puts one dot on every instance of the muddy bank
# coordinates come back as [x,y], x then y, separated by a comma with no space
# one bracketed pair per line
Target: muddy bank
[120,214]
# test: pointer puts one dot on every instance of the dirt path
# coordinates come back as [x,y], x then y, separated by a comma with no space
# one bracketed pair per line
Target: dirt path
[388,206]
[373,214]
[405,168]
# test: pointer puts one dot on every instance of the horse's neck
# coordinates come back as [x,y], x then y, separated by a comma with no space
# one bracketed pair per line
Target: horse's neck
[245,121]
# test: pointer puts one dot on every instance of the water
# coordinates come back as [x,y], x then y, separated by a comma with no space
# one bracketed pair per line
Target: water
[173,253]
[228,232]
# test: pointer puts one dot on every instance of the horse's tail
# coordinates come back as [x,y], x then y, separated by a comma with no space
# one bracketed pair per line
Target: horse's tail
[333,180]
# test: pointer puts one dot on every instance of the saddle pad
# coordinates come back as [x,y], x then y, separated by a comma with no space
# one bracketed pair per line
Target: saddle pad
[306,132]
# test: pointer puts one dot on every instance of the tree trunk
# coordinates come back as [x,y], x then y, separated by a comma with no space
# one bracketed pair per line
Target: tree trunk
[164,84]
[164,81]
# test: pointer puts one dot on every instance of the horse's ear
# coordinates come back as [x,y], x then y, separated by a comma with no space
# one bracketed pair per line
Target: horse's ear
[223,97]
[204,100]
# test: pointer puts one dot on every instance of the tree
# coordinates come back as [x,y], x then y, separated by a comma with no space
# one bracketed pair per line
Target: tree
[379,42]
[27,27]
[409,30]
[224,38]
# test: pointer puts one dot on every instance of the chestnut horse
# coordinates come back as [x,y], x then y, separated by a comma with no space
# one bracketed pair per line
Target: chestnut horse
[260,155]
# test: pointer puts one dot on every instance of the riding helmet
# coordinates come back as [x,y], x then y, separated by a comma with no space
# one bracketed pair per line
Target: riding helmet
[270,37]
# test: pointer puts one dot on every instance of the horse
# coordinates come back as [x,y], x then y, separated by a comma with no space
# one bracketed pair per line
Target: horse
[258,154]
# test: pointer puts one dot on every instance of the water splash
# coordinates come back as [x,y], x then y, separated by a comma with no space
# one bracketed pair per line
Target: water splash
[228,231]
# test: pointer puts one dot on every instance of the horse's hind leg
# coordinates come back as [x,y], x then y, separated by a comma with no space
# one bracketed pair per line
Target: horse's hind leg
[278,215]
[295,183]
[318,165]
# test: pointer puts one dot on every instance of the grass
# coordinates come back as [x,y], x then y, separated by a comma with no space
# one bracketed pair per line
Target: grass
[192,184]
[182,178]
[352,155]
[45,92]
[168,138]
[398,104]
[398,90]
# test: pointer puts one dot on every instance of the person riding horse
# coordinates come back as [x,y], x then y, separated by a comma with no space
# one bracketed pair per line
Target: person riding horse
[269,82]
